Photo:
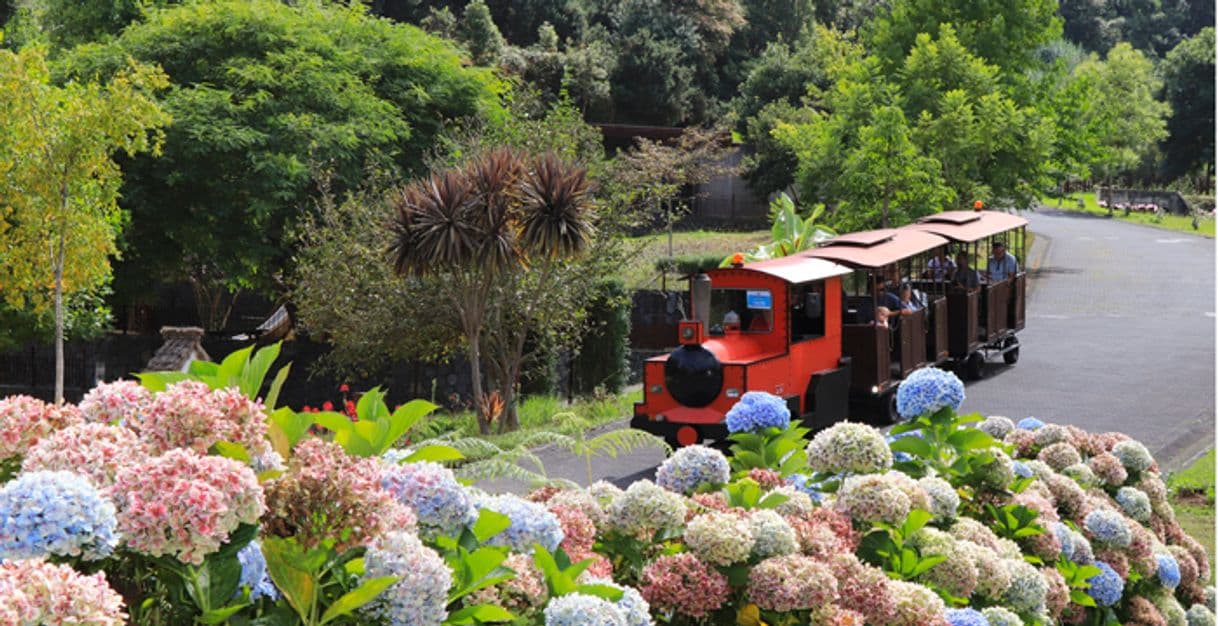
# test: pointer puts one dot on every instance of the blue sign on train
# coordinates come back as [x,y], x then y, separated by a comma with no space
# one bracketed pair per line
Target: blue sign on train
[759,300]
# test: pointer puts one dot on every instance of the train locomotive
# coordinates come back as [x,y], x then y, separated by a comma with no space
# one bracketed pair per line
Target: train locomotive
[802,327]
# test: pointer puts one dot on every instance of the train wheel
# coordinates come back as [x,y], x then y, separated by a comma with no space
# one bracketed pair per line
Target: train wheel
[1011,357]
[974,366]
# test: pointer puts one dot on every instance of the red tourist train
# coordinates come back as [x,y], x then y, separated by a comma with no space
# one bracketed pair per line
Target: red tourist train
[813,328]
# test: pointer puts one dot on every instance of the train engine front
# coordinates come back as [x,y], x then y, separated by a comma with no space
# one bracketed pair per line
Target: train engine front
[772,326]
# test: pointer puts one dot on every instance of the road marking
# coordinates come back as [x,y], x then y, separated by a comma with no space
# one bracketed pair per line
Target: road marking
[1112,238]
[1086,238]
[1170,240]
[1209,314]
[1049,316]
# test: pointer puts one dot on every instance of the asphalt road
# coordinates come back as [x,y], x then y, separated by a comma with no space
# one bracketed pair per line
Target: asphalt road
[1120,336]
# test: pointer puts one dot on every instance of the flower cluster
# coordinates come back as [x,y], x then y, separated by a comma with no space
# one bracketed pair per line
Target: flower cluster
[849,447]
[531,523]
[443,506]
[55,513]
[122,401]
[791,582]
[327,494]
[1108,527]
[183,504]
[772,535]
[1105,587]
[633,607]
[644,508]
[757,411]
[190,415]
[927,390]
[96,451]
[683,584]
[577,609]
[1133,455]
[719,538]
[691,467]
[420,595]
[996,426]
[876,498]
[943,497]
[36,592]
[254,574]
[524,592]
[24,420]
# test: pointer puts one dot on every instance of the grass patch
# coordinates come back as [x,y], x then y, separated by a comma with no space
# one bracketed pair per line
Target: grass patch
[1192,495]
[537,414]
[1179,223]
[640,271]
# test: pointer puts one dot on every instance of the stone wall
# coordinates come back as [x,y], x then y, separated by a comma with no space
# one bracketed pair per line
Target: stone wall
[1170,201]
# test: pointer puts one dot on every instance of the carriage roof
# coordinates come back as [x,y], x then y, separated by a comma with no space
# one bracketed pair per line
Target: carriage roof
[798,268]
[968,226]
[877,248]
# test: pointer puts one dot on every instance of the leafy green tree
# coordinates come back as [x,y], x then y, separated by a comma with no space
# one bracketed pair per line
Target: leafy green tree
[67,23]
[1188,87]
[521,20]
[1005,33]
[263,96]
[652,81]
[59,183]
[479,33]
[1129,121]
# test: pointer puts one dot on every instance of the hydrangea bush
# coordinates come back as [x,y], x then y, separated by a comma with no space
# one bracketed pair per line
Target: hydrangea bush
[996,523]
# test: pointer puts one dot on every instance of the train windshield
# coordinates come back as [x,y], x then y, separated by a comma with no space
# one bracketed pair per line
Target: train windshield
[743,310]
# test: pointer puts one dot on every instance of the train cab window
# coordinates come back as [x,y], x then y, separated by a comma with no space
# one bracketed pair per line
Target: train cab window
[807,311]
[743,310]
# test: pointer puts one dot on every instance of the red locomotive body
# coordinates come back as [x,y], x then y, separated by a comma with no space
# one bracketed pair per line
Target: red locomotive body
[771,326]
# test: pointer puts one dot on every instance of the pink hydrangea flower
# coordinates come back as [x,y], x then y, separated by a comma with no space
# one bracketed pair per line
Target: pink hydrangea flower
[36,592]
[190,415]
[95,450]
[25,419]
[108,403]
[683,584]
[184,504]
[792,582]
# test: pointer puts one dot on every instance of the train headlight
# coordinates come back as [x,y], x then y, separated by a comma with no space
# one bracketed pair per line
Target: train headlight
[657,388]
[660,417]
[875,389]
[732,393]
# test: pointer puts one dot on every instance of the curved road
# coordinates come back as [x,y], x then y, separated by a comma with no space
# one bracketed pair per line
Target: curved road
[1120,336]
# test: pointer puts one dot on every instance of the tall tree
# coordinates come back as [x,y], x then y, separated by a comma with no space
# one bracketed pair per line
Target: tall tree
[59,183]
[1188,87]
[479,33]
[263,95]
[474,228]
[1127,117]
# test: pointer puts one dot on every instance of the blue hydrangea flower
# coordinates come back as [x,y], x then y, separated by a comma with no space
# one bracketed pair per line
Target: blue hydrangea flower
[1029,423]
[420,595]
[55,513]
[1065,537]
[254,574]
[1022,470]
[1168,570]
[1135,503]
[927,390]
[442,505]
[756,411]
[1108,526]
[692,466]
[531,523]
[801,482]
[1106,586]
[577,609]
[633,607]
[965,617]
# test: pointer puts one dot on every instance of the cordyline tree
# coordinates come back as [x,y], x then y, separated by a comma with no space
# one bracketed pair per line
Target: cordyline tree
[59,184]
[475,229]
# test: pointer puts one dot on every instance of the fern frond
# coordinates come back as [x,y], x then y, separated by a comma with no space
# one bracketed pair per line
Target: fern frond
[519,453]
[625,440]
[472,447]
[549,438]
[495,469]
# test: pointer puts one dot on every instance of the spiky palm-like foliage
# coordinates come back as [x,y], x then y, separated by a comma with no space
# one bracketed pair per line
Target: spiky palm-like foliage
[474,227]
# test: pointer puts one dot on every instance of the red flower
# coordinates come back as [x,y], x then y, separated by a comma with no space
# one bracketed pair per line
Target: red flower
[349,408]
[327,406]
[344,388]
[306,409]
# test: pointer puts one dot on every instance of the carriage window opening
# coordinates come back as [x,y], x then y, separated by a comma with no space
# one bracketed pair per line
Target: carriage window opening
[807,311]
[745,310]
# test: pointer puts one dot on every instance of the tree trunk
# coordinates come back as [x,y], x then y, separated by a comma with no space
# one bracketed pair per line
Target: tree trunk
[59,259]
[475,382]
[884,214]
